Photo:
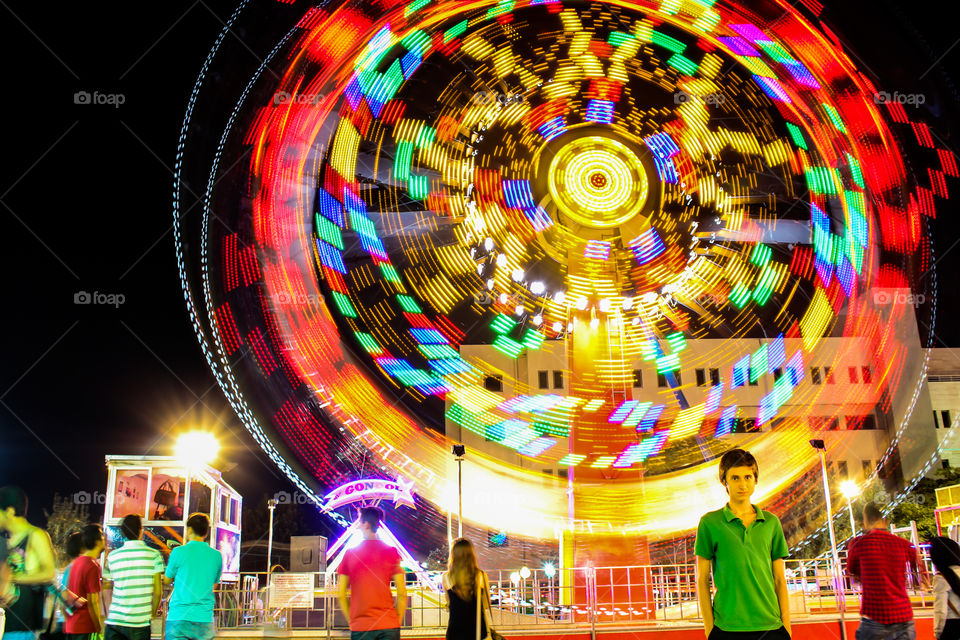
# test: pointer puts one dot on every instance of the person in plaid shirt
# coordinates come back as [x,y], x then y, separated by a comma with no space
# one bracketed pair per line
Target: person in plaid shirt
[878,559]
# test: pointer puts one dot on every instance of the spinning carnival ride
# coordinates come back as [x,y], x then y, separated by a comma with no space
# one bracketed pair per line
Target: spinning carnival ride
[412,204]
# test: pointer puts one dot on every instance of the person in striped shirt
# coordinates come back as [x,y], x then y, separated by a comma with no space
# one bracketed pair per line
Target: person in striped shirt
[135,570]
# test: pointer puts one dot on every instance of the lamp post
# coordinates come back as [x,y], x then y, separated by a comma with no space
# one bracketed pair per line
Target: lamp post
[271,505]
[850,491]
[459,451]
[837,577]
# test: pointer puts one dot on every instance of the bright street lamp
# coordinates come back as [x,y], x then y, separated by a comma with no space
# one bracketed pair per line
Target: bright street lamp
[196,448]
[850,490]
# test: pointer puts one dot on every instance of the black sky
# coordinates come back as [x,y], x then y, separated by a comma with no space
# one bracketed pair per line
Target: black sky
[86,206]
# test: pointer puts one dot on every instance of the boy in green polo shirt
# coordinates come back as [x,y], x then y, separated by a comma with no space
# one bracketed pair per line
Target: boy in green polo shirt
[744,547]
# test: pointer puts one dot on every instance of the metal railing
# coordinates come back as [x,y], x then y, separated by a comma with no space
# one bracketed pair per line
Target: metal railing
[601,596]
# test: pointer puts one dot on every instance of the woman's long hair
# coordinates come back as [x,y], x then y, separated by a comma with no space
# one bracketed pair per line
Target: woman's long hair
[944,554]
[462,569]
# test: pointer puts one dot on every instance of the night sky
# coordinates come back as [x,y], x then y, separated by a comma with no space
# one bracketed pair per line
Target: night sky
[86,195]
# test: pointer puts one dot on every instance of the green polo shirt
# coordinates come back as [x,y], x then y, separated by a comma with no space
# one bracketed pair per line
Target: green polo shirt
[742,558]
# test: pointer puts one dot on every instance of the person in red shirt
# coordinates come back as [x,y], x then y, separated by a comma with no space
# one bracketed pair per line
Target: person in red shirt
[87,621]
[364,578]
[879,559]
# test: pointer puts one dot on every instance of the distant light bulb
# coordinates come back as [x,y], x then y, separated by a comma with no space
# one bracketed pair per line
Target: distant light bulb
[537,288]
[582,303]
[488,244]
[502,260]
[594,323]
[627,304]
[517,275]
[569,327]
[537,320]
[479,269]
[490,284]
[635,321]
[503,298]
[559,297]
[558,326]
[604,305]
[519,310]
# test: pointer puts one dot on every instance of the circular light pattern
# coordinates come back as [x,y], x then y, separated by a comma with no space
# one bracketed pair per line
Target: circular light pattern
[597,182]
[599,243]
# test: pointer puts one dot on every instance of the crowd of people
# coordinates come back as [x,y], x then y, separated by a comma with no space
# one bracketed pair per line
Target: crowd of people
[133,574]
[741,583]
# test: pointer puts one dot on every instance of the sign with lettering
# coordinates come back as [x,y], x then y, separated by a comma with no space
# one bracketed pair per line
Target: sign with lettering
[374,489]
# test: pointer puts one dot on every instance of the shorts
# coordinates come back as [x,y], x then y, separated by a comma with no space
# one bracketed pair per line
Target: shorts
[122,632]
[187,630]
[376,634]
[776,634]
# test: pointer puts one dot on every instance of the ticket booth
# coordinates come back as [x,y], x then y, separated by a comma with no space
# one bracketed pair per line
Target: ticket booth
[164,492]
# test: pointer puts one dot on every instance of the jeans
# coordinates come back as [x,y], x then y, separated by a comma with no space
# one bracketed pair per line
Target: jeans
[186,630]
[121,632]
[376,634]
[870,630]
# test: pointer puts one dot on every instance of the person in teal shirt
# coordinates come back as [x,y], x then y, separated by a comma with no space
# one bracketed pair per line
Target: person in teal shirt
[744,547]
[194,569]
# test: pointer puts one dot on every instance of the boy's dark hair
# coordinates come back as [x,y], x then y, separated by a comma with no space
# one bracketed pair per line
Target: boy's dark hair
[74,545]
[131,527]
[737,458]
[13,496]
[91,535]
[871,513]
[200,523]
[372,516]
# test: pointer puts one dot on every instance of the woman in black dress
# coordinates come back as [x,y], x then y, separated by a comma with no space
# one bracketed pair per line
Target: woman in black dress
[460,583]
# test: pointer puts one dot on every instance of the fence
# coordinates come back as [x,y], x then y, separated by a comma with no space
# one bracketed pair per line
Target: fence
[595,596]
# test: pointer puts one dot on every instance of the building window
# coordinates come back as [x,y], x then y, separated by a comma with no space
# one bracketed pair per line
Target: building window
[543,380]
[866,374]
[637,379]
[945,419]
[714,377]
[753,381]
[777,373]
[945,464]
[493,383]
[936,420]
[815,375]
[828,375]
[701,377]
[854,379]
[842,468]
[557,379]
[869,423]
[662,379]
[867,468]
[750,426]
